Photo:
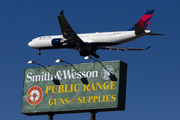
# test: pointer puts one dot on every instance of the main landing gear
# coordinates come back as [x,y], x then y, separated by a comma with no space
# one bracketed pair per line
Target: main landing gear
[95,55]
[87,52]
[39,53]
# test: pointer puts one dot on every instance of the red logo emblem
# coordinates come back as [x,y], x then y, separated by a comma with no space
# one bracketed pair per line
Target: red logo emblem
[34,95]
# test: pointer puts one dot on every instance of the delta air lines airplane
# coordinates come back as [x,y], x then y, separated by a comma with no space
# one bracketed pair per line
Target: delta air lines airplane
[87,44]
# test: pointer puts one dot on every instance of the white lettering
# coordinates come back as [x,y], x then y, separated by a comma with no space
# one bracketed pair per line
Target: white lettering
[95,73]
[28,77]
[88,74]
[67,75]
[60,75]
[36,78]
[73,74]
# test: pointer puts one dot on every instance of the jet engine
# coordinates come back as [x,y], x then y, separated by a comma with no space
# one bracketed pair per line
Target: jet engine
[87,52]
[58,41]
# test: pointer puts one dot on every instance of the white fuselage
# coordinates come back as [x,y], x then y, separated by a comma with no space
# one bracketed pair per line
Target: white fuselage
[98,38]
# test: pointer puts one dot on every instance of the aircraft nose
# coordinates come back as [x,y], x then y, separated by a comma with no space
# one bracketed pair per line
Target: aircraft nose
[32,44]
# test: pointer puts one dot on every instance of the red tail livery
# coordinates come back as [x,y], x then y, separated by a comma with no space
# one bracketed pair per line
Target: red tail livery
[145,19]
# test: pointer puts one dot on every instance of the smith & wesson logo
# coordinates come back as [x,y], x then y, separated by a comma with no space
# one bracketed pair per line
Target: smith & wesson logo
[106,73]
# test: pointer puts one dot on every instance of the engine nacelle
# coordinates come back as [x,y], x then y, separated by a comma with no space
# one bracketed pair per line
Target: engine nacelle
[56,41]
[87,52]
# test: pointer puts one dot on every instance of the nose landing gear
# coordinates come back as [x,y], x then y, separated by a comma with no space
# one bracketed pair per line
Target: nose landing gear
[39,53]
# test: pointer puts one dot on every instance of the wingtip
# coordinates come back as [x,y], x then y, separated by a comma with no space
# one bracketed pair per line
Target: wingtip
[62,12]
[148,47]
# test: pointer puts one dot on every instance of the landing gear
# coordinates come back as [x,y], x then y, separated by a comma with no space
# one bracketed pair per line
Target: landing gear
[39,53]
[96,56]
[93,53]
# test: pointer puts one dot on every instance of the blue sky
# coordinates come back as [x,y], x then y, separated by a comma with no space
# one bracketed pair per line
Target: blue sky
[152,76]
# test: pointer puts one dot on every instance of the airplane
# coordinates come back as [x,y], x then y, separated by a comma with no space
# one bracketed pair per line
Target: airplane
[87,44]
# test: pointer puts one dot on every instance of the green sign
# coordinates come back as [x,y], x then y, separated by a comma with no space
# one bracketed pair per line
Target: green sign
[74,88]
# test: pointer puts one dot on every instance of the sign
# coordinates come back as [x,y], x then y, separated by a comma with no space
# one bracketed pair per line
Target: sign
[91,86]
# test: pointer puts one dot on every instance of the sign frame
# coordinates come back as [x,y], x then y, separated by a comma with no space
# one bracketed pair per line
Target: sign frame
[95,92]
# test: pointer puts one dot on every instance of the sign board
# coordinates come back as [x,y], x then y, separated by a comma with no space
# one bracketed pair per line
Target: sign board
[64,90]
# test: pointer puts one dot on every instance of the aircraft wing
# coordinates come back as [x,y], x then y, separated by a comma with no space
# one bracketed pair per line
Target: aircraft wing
[67,31]
[121,48]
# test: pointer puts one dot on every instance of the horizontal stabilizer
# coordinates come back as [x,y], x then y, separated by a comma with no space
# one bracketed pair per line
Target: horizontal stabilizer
[154,34]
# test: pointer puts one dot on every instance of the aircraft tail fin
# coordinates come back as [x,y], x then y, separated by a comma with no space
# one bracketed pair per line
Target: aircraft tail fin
[138,29]
[145,19]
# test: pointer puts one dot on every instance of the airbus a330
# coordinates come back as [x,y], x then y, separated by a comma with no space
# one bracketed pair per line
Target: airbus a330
[87,44]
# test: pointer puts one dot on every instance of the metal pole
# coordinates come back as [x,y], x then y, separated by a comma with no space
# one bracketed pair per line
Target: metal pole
[46,70]
[101,64]
[93,115]
[74,68]
[50,116]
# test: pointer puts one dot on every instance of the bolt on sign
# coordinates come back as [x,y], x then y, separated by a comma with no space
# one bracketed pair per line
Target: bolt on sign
[91,86]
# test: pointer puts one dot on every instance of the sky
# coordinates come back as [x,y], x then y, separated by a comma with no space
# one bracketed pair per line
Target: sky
[152,77]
